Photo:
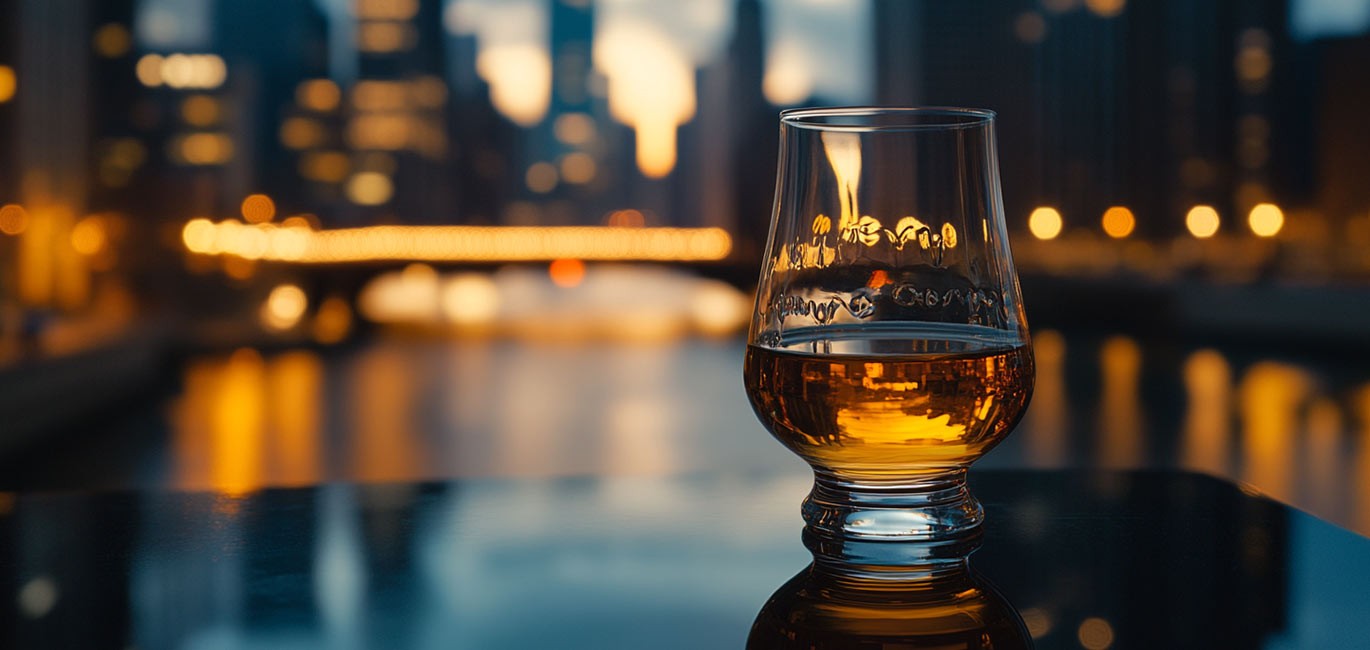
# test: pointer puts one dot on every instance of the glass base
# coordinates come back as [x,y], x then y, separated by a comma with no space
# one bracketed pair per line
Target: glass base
[844,518]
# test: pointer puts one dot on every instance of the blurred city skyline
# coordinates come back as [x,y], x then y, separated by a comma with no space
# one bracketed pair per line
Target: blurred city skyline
[202,154]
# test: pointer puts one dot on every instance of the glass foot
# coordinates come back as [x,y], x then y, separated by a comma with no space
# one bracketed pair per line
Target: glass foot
[852,521]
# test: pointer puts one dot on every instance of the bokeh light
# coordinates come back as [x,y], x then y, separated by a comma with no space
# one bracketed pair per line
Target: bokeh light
[1265,219]
[370,188]
[333,322]
[200,110]
[470,299]
[258,208]
[1202,221]
[112,40]
[541,177]
[202,149]
[1095,634]
[325,166]
[1045,223]
[574,128]
[1118,222]
[284,307]
[14,219]
[181,70]
[1106,8]
[89,236]
[320,95]
[566,273]
[578,168]
[520,78]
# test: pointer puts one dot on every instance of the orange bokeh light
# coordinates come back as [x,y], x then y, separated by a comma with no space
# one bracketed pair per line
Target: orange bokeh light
[566,272]
[258,208]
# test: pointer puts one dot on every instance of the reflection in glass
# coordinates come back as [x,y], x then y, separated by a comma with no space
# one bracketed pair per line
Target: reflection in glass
[937,603]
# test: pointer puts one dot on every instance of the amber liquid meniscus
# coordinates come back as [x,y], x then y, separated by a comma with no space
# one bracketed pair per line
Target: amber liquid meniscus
[890,403]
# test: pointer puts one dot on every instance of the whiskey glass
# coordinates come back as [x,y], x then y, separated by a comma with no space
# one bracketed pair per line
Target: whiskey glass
[888,347]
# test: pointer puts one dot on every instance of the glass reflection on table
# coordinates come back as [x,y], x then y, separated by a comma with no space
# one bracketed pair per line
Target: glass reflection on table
[933,603]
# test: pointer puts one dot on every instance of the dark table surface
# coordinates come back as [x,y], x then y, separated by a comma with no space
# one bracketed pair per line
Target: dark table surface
[1123,560]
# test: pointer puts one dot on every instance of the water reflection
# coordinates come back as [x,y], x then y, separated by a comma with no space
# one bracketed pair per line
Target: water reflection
[1208,382]
[1121,421]
[1270,397]
[406,409]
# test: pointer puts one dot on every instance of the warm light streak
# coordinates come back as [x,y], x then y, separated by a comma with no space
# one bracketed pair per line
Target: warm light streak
[1118,222]
[1208,382]
[1271,396]
[1045,223]
[1324,458]
[1121,421]
[1049,418]
[381,406]
[1202,221]
[237,415]
[656,145]
[1266,219]
[9,83]
[455,243]
[295,401]
[1360,489]
[843,151]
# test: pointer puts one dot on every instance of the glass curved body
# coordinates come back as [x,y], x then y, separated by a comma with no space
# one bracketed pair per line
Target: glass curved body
[888,347]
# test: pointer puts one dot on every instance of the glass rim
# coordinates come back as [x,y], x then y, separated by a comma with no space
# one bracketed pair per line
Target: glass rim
[888,118]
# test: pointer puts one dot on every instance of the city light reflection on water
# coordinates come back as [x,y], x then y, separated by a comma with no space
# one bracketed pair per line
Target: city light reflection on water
[403,409]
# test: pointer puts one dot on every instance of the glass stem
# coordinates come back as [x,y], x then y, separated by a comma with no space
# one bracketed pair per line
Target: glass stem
[934,508]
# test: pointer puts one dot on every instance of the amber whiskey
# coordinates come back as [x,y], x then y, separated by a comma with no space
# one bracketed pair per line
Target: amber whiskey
[892,402]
